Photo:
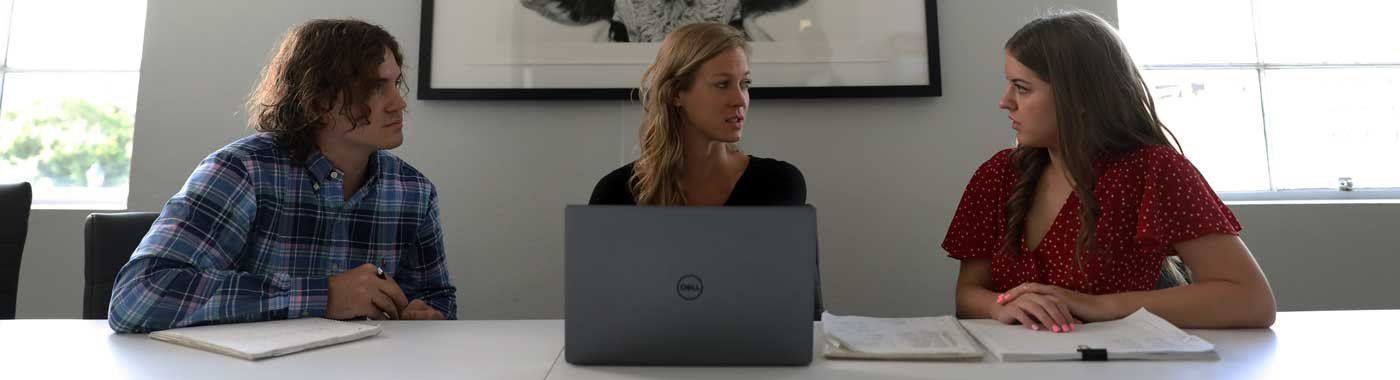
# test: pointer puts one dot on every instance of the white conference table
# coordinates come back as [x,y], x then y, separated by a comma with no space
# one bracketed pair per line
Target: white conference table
[1301,345]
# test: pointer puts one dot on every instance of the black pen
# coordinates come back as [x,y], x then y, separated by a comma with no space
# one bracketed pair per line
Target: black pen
[378,271]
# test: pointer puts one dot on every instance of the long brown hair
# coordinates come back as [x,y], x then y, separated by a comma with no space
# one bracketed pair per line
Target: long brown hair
[319,64]
[656,174]
[1102,107]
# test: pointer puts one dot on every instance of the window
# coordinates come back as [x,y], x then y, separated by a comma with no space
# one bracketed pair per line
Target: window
[1276,96]
[68,98]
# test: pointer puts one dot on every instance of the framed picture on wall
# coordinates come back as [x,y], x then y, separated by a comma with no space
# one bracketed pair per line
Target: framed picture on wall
[598,49]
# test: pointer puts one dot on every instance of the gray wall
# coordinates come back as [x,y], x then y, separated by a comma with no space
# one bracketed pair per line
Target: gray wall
[884,174]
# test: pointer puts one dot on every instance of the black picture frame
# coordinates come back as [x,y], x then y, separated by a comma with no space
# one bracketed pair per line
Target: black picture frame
[426,91]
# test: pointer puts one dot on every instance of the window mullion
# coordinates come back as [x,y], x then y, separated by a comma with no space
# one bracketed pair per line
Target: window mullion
[5,54]
[1264,121]
[9,34]
[1263,108]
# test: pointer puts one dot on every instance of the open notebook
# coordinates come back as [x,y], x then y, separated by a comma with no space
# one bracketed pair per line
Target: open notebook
[925,338]
[1140,336]
[257,340]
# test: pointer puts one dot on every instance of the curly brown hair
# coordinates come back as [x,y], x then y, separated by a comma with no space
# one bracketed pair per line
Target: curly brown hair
[318,65]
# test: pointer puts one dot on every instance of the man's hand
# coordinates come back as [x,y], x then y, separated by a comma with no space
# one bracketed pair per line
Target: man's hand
[360,292]
[419,310]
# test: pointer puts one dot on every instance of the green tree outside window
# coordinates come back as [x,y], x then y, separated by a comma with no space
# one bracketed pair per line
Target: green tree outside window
[71,143]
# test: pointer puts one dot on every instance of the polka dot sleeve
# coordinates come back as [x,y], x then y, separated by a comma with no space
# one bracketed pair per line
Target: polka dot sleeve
[1177,203]
[979,225]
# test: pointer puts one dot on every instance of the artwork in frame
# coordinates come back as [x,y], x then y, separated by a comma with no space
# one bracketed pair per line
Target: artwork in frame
[598,49]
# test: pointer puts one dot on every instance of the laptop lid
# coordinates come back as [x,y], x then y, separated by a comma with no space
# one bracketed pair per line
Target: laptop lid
[689,285]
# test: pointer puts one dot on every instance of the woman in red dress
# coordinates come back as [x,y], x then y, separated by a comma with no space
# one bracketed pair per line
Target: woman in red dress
[1074,224]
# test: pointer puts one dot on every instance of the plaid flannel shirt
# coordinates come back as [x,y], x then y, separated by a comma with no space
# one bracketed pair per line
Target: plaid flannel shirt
[255,235]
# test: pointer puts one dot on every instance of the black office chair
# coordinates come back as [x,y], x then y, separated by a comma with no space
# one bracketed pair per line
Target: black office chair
[15,200]
[109,240]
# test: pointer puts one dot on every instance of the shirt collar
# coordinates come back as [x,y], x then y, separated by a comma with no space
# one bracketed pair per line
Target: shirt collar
[322,169]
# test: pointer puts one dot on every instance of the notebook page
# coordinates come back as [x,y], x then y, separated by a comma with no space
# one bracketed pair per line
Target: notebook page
[1139,333]
[924,335]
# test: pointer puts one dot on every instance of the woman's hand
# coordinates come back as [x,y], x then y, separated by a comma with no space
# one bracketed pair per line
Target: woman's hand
[1036,311]
[1085,307]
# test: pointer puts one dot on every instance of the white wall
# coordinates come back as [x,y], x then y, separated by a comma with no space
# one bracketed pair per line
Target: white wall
[885,174]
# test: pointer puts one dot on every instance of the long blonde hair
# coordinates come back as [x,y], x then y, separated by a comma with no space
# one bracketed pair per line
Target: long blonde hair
[656,174]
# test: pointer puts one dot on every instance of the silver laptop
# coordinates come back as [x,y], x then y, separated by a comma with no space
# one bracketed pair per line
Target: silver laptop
[689,285]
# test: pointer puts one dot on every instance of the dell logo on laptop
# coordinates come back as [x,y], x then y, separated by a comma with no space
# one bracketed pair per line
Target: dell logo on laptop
[690,287]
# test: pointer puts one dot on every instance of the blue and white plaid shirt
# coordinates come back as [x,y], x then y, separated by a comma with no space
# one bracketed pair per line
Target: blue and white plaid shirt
[255,235]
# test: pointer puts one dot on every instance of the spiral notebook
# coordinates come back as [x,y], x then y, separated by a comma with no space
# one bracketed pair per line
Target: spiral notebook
[258,340]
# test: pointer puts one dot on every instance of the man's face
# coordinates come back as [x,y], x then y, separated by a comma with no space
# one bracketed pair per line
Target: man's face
[386,106]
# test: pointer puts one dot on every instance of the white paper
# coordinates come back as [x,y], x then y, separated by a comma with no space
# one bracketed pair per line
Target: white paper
[873,338]
[1142,335]
[259,340]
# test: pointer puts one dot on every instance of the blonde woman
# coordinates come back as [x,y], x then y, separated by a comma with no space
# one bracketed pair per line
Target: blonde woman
[695,97]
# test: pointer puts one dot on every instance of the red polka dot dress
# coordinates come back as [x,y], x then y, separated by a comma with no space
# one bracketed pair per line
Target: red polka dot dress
[1149,199]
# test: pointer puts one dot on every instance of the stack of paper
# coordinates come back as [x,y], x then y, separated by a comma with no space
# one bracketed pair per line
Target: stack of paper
[1140,336]
[253,341]
[927,338]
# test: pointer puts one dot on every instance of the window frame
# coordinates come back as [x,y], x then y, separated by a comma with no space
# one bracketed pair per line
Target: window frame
[64,198]
[1274,195]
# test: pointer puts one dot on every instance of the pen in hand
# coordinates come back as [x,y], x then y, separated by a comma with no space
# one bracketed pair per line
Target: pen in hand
[379,272]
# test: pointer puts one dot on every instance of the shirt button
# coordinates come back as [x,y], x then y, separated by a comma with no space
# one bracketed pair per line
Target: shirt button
[316,186]
[335,175]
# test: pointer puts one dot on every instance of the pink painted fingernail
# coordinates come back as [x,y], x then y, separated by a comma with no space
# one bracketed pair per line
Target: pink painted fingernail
[1054,328]
[1065,328]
